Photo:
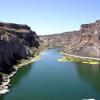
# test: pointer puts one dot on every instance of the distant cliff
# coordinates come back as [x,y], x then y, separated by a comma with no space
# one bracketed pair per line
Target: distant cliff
[16,42]
[85,42]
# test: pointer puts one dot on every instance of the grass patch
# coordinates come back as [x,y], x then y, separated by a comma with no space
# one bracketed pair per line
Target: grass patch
[28,61]
[73,59]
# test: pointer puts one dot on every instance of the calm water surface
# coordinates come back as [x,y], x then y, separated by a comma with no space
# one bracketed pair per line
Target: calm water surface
[48,79]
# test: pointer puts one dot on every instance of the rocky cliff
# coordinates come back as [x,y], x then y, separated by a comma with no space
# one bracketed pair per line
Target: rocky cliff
[85,42]
[16,42]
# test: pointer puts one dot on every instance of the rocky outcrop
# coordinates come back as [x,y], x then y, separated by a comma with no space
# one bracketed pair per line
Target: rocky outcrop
[16,41]
[85,42]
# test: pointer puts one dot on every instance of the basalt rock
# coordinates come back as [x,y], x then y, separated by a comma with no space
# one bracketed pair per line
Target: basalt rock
[16,41]
[85,42]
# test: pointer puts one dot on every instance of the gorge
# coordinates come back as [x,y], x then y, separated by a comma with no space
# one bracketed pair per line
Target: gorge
[18,42]
[85,42]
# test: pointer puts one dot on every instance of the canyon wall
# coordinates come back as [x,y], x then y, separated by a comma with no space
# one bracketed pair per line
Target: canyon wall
[85,42]
[17,42]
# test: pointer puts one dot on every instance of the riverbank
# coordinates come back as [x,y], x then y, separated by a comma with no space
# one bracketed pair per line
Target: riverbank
[4,86]
[28,61]
[75,58]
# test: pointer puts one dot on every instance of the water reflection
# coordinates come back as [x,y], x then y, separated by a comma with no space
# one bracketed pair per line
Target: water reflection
[2,97]
[22,72]
[90,73]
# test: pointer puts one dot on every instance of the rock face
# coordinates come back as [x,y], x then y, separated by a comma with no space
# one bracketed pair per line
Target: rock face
[85,42]
[16,41]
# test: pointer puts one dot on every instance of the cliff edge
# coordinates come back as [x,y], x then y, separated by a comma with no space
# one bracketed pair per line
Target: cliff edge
[16,41]
[84,42]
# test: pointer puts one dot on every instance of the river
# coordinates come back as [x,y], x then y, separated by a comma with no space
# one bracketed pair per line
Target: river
[48,79]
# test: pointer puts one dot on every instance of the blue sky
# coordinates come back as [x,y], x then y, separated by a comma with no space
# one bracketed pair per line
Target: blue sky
[50,16]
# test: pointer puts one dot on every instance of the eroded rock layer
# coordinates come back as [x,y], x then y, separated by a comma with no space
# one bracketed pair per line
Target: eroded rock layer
[85,42]
[16,41]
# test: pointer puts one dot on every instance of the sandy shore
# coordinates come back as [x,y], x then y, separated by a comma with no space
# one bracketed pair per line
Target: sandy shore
[81,57]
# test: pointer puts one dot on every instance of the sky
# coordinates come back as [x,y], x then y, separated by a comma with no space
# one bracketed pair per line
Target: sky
[50,16]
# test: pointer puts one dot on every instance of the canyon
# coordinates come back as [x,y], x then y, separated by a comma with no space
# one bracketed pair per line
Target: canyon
[84,42]
[18,42]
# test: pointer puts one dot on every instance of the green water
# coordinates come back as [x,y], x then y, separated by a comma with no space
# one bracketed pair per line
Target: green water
[48,79]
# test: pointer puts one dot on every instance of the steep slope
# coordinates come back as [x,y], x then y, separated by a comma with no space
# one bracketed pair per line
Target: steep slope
[85,42]
[16,41]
